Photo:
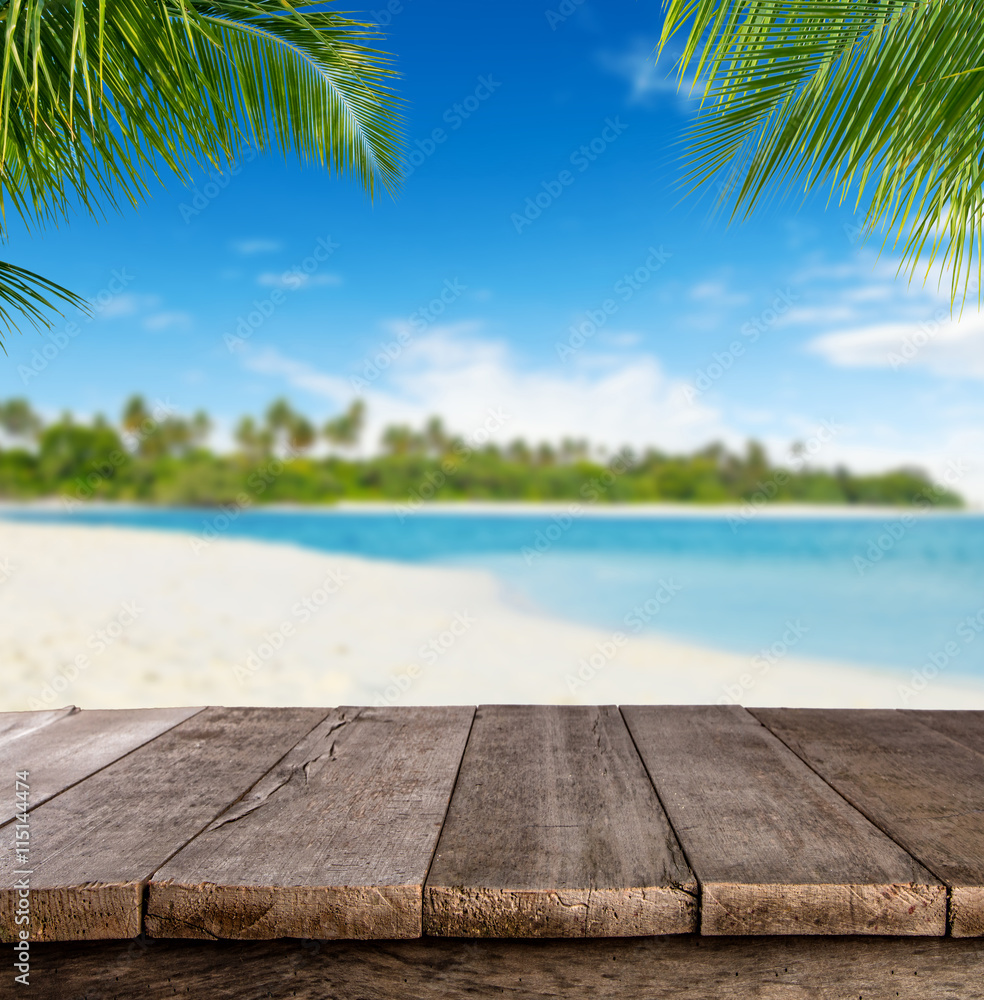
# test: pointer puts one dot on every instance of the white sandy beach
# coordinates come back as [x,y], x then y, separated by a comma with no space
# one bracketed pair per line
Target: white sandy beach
[110,618]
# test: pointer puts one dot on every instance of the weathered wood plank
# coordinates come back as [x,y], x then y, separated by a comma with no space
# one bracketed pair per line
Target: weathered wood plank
[682,967]
[925,790]
[94,847]
[77,744]
[16,724]
[775,849]
[554,831]
[334,843]
[966,727]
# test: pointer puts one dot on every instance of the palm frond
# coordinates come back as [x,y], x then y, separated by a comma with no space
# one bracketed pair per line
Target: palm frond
[879,99]
[24,294]
[99,97]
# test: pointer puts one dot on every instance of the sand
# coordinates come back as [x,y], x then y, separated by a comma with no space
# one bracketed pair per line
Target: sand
[106,617]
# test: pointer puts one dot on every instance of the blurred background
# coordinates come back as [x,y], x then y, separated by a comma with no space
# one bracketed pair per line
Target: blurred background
[538,428]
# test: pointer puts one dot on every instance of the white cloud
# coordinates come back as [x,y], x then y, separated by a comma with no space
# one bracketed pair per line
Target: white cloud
[125,304]
[647,81]
[167,321]
[624,339]
[256,245]
[611,398]
[145,309]
[335,388]
[297,280]
[717,293]
[464,377]
[815,315]
[952,347]
[869,293]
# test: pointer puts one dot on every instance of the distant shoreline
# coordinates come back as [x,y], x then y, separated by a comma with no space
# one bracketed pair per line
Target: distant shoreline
[520,508]
[154,622]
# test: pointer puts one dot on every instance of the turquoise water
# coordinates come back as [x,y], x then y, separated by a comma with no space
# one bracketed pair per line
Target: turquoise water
[694,578]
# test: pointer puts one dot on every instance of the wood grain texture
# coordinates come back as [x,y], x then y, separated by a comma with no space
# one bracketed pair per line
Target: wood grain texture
[966,727]
[925,790]
[554,831]
[95,846]
[333,843]
[683,967]
[16,724]
[775,849]
[77,744]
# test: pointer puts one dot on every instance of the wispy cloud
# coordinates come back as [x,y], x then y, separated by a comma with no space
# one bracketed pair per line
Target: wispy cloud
[647,81]
[173,320]
[126,304]
[611,399]
[256,245]
[296,281]
[717,293]
[870,316]
[948,346]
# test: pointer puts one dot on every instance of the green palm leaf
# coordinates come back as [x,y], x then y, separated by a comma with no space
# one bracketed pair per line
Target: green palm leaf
[99,97]
[880,100]
[32,296]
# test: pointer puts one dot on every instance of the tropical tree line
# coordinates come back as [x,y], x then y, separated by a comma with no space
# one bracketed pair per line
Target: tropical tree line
[154,455]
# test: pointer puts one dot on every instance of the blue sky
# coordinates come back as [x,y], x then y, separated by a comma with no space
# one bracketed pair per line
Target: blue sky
[472,302]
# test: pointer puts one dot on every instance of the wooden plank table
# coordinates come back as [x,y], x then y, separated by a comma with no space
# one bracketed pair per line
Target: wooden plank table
[534,851]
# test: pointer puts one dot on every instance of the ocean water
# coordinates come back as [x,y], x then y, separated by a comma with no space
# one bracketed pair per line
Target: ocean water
[883,591]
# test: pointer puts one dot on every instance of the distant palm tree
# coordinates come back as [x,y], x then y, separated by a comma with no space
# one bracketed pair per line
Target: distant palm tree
[401,439]
[436,436]
[883,100]
[201,427]
[255,441]
[137,419]
[279,417]
[300,434]
[98,96]
[344,431]
[18,420]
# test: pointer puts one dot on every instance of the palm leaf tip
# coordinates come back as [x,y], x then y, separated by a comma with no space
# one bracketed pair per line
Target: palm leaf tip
[881,101]
[97,98]
[33,297]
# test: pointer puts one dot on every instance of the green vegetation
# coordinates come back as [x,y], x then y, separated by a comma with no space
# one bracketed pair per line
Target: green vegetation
[97,99]
[879,100]
[156,456]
